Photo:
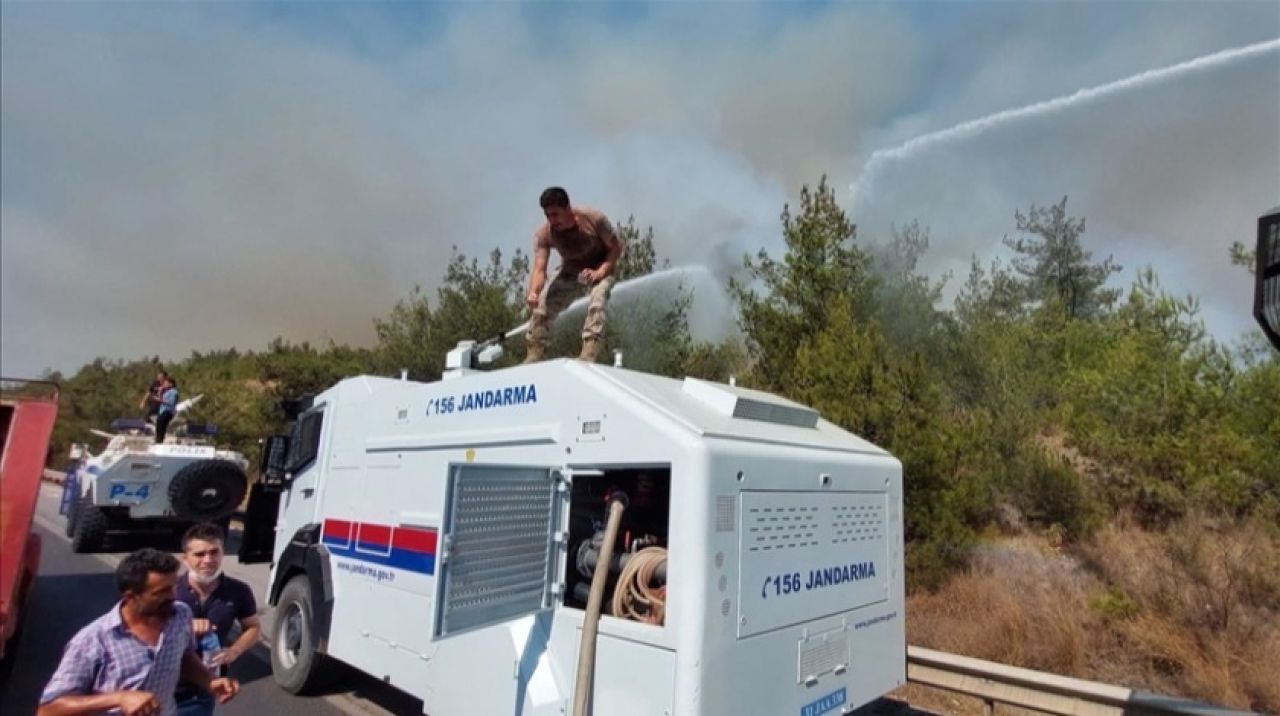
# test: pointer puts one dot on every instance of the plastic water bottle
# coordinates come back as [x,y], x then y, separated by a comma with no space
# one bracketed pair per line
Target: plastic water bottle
[209,648]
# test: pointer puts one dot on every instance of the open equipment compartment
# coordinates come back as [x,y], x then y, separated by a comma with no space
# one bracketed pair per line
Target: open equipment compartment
[639,563]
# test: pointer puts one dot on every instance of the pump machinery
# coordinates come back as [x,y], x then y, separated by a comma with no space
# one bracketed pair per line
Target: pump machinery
[565,537]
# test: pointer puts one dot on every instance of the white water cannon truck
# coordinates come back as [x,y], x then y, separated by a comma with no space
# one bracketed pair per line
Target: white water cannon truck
[565,537]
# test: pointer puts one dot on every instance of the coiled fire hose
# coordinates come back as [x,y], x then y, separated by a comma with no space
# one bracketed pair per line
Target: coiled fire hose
[591,622]
[633,597]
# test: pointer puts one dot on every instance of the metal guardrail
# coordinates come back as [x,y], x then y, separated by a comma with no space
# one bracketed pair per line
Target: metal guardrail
[1040,691]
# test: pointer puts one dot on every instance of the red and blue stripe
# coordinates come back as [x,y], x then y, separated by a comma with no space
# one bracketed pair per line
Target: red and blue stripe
[409,548]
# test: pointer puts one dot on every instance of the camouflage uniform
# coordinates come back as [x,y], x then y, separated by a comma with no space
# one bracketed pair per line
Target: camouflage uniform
[582,247]
[564,288]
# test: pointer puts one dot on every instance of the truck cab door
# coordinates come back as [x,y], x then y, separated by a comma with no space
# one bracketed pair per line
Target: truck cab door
[502,545]
[258,537]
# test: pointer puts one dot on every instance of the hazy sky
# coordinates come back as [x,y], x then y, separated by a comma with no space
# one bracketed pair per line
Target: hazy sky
[197,176]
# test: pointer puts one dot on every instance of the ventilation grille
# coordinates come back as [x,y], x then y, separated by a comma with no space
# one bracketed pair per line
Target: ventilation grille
[725,513]
[498,560]
[782,527]
[822,654]
[856,523]
[773,413]
[773,528]
[750,404]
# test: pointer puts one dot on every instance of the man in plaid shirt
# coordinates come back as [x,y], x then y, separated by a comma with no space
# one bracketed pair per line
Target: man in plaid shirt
[129,660]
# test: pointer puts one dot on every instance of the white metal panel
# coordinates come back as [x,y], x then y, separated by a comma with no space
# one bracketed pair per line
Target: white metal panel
[632,679]
[498,557]
[806,555]
[669,396]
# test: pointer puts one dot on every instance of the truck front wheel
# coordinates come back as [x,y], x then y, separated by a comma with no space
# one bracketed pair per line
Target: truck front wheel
[90,531]
[297,666]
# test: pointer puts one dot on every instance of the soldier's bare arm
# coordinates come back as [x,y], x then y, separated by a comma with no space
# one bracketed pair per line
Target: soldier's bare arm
[538,276]
[615,247]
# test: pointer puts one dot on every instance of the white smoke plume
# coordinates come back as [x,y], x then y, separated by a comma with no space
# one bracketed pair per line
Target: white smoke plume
[181,177]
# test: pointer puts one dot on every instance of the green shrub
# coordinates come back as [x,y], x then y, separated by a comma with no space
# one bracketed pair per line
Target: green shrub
[1115,604]
[1051,493]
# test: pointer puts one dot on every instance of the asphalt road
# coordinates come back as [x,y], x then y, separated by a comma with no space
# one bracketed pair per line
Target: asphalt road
[74,589]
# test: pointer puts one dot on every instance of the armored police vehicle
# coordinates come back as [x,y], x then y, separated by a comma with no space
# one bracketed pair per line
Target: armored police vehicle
[135,485]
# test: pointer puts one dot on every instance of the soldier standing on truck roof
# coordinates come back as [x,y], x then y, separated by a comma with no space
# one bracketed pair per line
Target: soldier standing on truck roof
[590,250]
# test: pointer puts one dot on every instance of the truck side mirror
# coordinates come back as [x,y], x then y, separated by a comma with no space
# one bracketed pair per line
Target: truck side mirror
[275,454]
[78,451]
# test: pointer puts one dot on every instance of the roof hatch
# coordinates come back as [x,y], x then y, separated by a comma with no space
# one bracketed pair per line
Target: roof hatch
[747,404]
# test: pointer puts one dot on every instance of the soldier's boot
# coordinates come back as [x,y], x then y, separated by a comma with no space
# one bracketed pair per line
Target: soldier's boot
[537,352]
[590,347]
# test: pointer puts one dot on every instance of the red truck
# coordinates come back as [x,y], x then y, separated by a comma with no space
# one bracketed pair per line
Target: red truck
[28,409]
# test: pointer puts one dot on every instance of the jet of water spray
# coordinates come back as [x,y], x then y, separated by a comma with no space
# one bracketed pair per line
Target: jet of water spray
[863,186]
[630,286]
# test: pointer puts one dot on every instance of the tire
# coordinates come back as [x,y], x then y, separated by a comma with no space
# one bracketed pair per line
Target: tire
[72,513]
[296,665]
[207,491]
[71,483]
[15,641]
[90,528]
[11,653]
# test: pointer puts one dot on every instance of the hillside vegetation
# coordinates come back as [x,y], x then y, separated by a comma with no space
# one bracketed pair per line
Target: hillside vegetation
[1092,483]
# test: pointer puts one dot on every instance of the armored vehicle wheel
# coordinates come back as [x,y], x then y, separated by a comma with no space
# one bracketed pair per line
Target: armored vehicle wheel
[19,634]
[295,664]
[90,527]
[72,512]
[208,490]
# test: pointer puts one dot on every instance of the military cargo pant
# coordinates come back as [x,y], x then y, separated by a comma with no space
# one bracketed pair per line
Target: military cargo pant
[563,290]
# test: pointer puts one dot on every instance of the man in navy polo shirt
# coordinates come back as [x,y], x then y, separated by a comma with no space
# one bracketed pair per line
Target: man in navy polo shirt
[218,603]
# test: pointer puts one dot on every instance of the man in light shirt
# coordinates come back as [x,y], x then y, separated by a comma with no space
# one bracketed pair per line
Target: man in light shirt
[129,660]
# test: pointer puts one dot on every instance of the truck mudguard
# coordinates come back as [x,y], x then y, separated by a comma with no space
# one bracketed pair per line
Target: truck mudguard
[305,554]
